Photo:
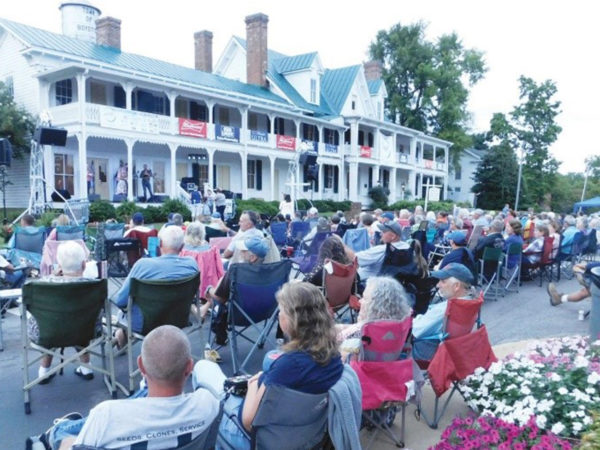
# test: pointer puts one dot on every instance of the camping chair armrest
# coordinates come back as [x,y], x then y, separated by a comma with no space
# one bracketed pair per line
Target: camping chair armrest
[438,337]
[233,416]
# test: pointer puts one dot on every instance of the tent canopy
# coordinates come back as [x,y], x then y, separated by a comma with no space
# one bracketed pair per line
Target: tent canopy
[589,203]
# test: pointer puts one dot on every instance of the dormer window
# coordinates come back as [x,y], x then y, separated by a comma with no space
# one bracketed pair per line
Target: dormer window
[313,90]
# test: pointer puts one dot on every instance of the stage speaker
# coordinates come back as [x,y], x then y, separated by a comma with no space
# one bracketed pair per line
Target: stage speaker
[50,136]
[5,152]
[312,172]
[307,159]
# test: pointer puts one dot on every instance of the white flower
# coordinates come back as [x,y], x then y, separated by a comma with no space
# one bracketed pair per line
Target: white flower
[545,405]
[581,361]
[590,390]
[496,368]
[587,420]
[525,390]
[557,428]
[563,391]
[556,377]
[540,421]
[593,378]
[577,426]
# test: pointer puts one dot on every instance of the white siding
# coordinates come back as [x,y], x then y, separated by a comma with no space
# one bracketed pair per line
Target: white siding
[15,65]
[17,193]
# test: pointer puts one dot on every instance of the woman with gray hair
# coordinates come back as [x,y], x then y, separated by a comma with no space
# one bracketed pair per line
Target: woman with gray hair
[384,298]
[194,238]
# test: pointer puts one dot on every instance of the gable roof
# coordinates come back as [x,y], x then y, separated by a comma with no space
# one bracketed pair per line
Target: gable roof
[336,85]
[276,77]
[294,63]
[37,38]
[374,86]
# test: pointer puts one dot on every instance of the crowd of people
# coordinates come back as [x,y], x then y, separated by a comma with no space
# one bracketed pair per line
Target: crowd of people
[398,251]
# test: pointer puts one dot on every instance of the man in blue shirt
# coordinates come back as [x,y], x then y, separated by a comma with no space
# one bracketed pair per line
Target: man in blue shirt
[568,235]
[169,266]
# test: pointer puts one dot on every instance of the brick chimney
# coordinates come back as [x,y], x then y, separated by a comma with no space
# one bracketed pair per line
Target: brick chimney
[256,49]
[108,32]
[203,50]
[373,70]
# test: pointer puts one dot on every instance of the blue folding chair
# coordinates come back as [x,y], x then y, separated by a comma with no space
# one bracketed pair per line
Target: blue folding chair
[70,232]
[28,244]
[297,232]
[357,239]
[252,301]
[279,233]
[307,261]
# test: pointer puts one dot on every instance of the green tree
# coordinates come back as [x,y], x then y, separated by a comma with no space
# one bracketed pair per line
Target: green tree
[16,123]
[496,177]
[428,82]
[535,129]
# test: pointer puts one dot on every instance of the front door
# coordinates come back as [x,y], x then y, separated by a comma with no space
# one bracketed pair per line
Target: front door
[223,180]
[97,177]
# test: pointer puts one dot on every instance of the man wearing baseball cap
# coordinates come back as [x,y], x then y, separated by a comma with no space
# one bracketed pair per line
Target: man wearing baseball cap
[455,281]
[137,223]
[459,253]
[371,260]
[253,250]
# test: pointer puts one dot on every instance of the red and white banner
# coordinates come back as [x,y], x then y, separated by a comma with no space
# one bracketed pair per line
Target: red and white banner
[365,151]
[194,128]
[286,142]
[428,164]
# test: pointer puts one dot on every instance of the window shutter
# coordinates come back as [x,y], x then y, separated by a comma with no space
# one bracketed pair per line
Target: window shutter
[258,175]
[336,179]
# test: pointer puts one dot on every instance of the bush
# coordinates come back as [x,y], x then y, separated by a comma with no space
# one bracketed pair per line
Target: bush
[154,214]
[431,206]
[176,206]
[101,211]
[379,196]
[258,205]
[325,205]
[47,218]
[126,210]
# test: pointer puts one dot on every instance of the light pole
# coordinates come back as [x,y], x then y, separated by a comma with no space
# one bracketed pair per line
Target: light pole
[519,180]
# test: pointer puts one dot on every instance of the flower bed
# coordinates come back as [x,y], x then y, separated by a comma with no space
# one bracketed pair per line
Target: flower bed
[487,432]
[555,381]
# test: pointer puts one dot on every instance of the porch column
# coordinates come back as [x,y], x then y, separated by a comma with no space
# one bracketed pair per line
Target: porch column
[244,170]
[353,188]
[393,193]
[172,97]
[82,190]
[173,189]
[353,141]
[412,158]
[130,143]
[412,176]
[341,187]
[244,127]
[321,178]
[274,195]
[211,175]
[128,87]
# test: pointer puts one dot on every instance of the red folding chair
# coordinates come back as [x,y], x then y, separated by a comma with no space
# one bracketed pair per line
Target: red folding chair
[339,285]
[384,376]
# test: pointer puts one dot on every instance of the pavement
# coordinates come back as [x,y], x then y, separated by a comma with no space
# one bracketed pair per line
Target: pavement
[512,322]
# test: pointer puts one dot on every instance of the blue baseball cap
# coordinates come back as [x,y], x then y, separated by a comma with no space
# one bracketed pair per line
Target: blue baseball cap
[458,237]
[456,270]
[388,215]
[138,218]
[215,215]
[254,244]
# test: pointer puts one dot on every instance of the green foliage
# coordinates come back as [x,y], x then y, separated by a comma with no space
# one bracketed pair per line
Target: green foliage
[102,210]
[496,178]
[125,210]
[325,205]
[431,206]
[428,82]
[47,217]
[258,205]
[379,197]
[154,214]
[176,206]
[16,123]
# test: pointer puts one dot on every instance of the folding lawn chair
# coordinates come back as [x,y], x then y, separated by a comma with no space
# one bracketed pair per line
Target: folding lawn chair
[70,232]
[28,245]
[143,237]
[221,243]
[279,233]
[297,232]
[214,233]
[490,271]
[121,255]
[67,315]
[384,373]
[512,273]
[252,301]
[339,283]
[569,259]
[161,302]
[357,239]
[307,261]
[49,255]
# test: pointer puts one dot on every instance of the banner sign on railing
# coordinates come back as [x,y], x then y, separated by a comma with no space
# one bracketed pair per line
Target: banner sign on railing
[193,128]
[365,151]
[286,142]
[428,164]
[259,136]
[331,148]
[310,145]
[227,133]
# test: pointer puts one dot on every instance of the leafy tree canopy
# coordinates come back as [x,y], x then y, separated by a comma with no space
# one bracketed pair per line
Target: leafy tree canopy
[16,123]
[428,82]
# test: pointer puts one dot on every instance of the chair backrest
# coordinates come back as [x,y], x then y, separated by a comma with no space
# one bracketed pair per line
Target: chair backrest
[430,235]
[357,239]
[461,316]
[384,340]
[492,254]
[253,288]
[114,230]
[70,232]
[66,312]
[343,227]
[292,417]
[121,255]
[143,236]
[547,249]
[279,232]
[220,242]
[210,266]
[316,242]
[214,233]
[153,246]
[475,236]
[338,285]
[164,302]
[592,245]
[399,263]
[406,232]
[299,229]
[30,239]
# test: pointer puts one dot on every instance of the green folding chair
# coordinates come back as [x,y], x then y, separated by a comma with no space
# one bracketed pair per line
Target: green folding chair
[162,302]
[490,280]
[67,315]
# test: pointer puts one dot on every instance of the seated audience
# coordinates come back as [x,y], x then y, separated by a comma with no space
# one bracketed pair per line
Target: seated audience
[310,361]
[532,254]
[169,266]
[27,222]
[371,260]
[248,222]
[334,249]
[163,419]
[71,265]
[194,238]
[567,237]
[137,223]
[494,239]
[61,221]
[455,281]
[513,230]
[459,253]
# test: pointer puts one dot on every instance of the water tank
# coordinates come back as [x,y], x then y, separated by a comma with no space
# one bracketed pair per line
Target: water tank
[79,20]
